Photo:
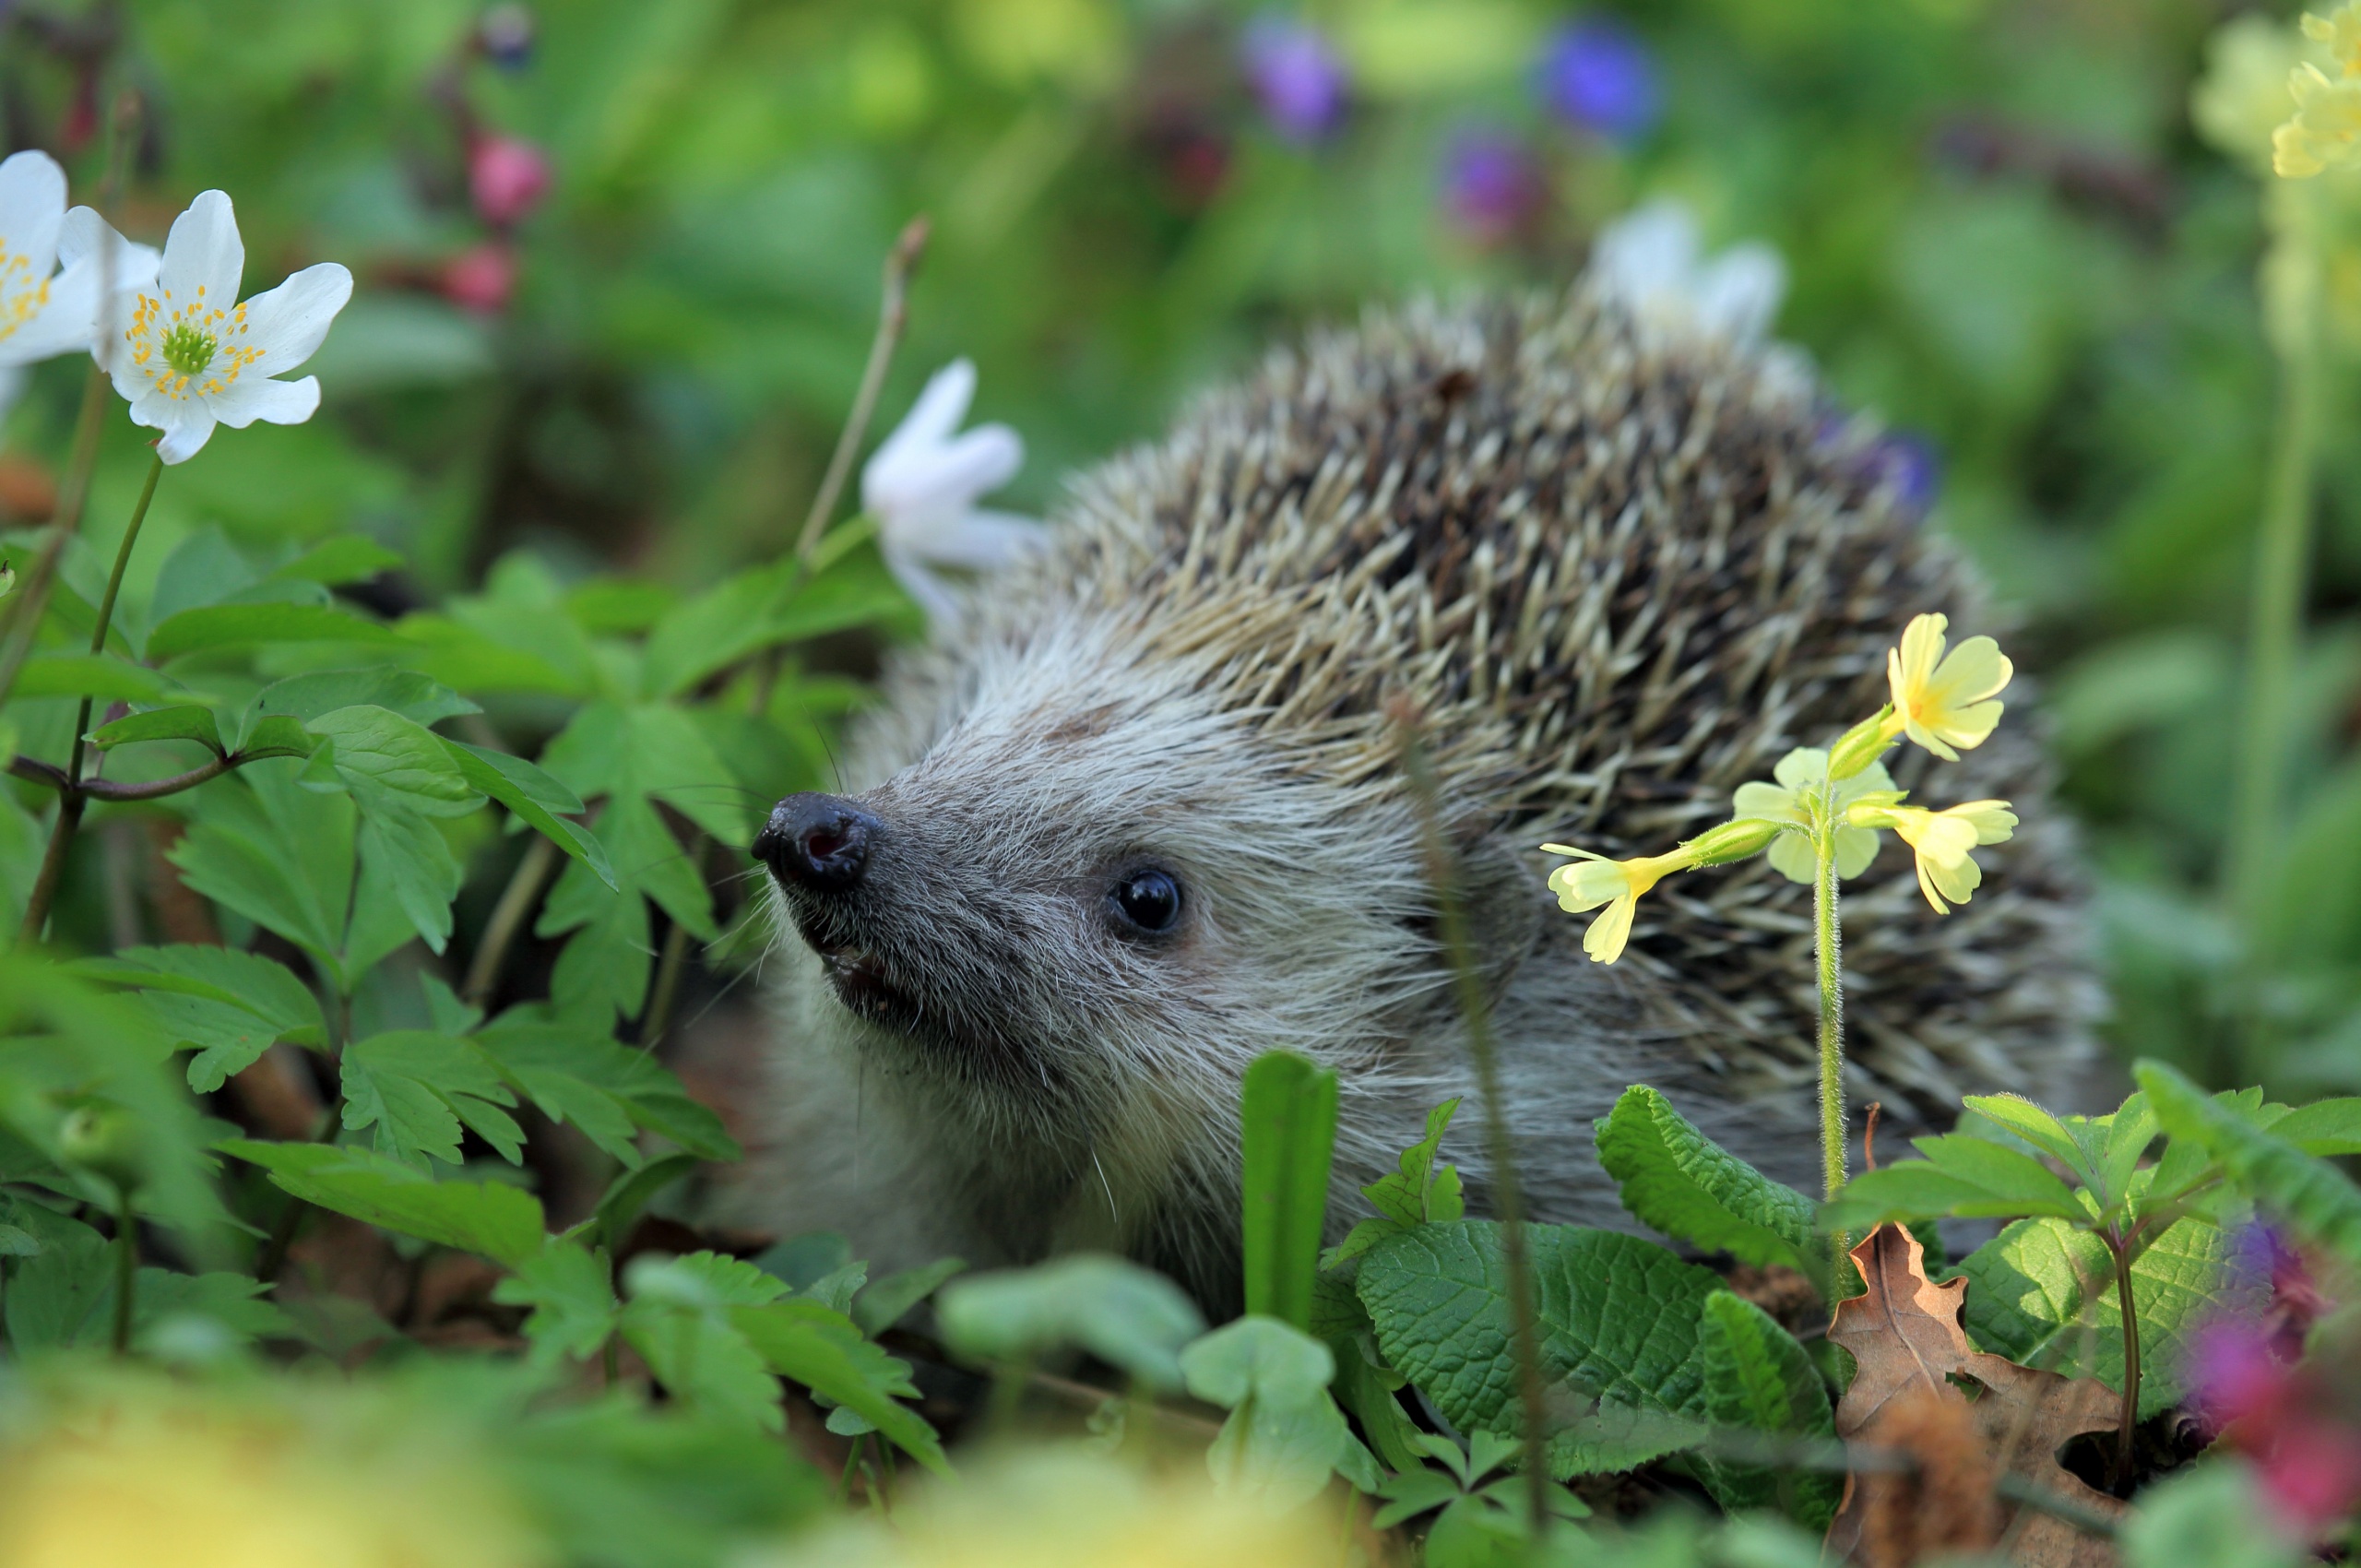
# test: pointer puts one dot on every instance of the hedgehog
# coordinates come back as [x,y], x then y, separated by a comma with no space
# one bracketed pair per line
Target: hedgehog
[1140,815]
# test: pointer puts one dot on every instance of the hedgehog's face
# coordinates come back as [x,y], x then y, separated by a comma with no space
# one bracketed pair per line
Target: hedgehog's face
[1079,892]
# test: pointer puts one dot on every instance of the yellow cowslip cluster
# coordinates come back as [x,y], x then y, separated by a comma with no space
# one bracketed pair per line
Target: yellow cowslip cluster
[2325,132]
[1834,801]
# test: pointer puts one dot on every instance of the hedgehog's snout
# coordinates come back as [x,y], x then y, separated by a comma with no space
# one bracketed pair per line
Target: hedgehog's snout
[819,843]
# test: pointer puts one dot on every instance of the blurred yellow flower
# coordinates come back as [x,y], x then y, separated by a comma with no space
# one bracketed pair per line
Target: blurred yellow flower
[2326,129]
[150,1473]
[1941,840]
[1594,880]
[1071,1508]
[2341,30]
[1942,701]
[2242,98]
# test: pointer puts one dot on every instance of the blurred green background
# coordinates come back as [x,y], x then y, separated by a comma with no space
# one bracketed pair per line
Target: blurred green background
[2004,234]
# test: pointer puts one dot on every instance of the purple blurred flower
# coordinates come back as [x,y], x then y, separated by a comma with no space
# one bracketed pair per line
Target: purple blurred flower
[504,33]
[1491,185]
[1909,463]
[2234,1374]
[1597,76]
[1296,76]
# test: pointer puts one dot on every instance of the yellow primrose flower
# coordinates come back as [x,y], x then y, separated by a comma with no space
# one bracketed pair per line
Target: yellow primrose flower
[1943,701]
[2326,131]
[1801,774]
[1941,840]
[1594,880]
[2341,30]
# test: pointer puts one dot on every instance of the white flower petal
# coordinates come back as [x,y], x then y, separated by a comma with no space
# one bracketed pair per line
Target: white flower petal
[288,323]
[187,427]
[935,415]
[1647,252]
[932,594]
[131,266]
[982,541]
[204,254]
[274,402]
[61,326]
[1738,294]
[955,472]
[32,208]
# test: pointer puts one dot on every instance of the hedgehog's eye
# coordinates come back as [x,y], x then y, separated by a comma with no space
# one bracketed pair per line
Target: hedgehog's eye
[1148,899]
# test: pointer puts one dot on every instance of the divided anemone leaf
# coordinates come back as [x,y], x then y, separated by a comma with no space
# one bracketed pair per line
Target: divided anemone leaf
[1679,1181]
[502,1222]
[1418,1193]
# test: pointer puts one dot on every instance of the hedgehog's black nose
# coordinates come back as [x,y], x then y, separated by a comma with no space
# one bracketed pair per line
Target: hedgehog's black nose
[820,842]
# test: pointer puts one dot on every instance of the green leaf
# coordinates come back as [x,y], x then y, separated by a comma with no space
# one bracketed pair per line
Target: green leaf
[1416,1194]
[581,1074]
[387,759]
[2008,1175]
[1288,1135]
[1123,1313]
[822,1349]
[2042,1294]
[888,1301]
[1619,1319]
[534,797]
[306,697]
[86,675]
[2210,1514]
[1758,1378]
[2324,1127]
[1678,1181]
[405,854]
[160,724]
[2315,1198]
[573,1304]
[705,1363]
[345,558]
[502,1222]
[1284,1435]
[631,1192]
[64,1296]
[1912,1190]
[230,1005]
[239,626]
[2036,1126]
[416,1088]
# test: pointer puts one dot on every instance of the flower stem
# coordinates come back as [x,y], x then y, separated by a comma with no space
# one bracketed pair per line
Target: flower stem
[126,1268]
[2130,1421]
[63,523]
[2283,547]
[508,919]
[1508,1201]
[1827,942]
[892,314]
[70,803]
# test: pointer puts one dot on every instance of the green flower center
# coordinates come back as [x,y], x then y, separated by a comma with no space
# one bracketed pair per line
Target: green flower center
[187,350]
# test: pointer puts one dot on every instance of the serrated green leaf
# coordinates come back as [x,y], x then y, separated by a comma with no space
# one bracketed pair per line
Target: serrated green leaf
[501,1223]
[2038,1127]
[1678,1181]
[2007,1175]
[410,859]
[1415,1193]
[534,797]
[2042,1294]
[822,1349]
[387,759]
[303,698]
[2318,1201]
[887,1301]
[345,558]
[239,626]
[416,1088]
[1618,1318]
[705,1363]
[536,1050]
[573,1299]
[230,1005]
[1123,1313]
[160,724]
[1758,1378]
[2323,1127]
[1287,1113]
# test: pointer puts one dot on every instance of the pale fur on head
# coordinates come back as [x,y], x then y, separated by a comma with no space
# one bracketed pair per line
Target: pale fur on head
[1617,572]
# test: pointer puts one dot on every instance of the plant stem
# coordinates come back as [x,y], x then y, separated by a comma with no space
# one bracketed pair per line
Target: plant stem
[41,772]
[126,1268]
[2292,288]
[516,901]
[28,605]
[2129,1423]
[892,314]
[70,804]
[1524,1334]
[668,982]
[1827,942]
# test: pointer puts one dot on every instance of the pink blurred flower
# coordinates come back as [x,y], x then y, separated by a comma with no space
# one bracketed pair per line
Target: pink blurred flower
[481,278]
[508,177]
[2234,1374]
[2283,1416]
[2311,1467]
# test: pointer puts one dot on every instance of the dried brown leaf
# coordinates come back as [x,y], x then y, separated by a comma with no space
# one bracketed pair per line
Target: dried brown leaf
[1904,1335]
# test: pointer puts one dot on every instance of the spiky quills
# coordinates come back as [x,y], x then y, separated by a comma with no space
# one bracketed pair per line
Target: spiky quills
[1618,572]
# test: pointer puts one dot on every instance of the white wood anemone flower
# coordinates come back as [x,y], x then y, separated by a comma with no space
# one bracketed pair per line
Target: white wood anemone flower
[53,262]
[1652,262]
[921,485]
[187,356]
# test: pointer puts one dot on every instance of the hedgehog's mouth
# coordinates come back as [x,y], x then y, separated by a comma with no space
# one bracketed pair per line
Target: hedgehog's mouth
[859,979]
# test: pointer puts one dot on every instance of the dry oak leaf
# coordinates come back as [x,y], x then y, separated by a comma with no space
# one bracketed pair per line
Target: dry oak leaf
[1906,1342]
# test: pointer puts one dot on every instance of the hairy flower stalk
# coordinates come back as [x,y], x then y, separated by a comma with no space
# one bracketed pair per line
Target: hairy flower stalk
[1820,822]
